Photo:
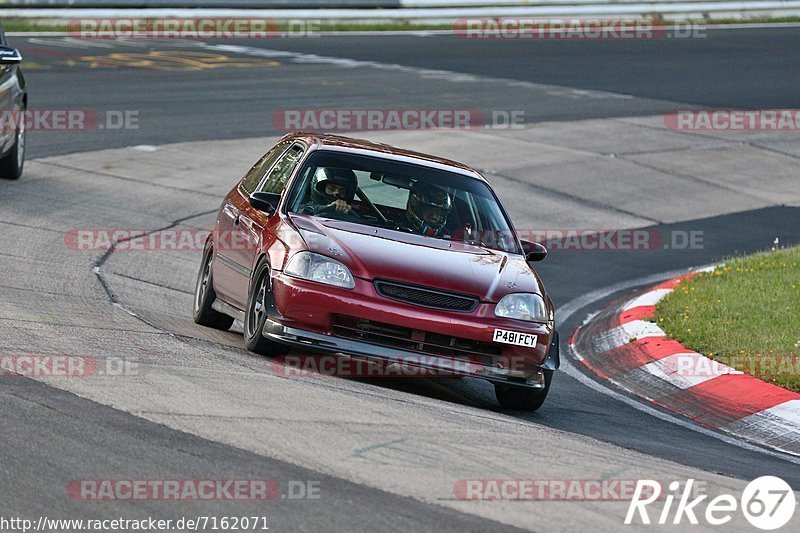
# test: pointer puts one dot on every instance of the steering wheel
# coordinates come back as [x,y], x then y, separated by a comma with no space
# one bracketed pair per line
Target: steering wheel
[365,199]
[350,216]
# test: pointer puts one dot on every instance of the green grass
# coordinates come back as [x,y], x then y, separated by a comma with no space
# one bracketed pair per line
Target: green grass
[60,25]
[745,314]
[20,24]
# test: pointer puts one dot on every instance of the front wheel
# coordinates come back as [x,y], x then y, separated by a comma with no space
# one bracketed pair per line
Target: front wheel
[204,296]
[255,317]
[11,165]
[523,398]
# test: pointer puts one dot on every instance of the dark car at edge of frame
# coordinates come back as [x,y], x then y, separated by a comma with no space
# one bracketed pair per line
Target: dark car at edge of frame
[13,103]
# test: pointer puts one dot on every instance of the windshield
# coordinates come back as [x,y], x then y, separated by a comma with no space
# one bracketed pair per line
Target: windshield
[403,197]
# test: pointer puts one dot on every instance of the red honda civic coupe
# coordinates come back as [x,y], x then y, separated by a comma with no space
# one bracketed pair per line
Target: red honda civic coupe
[345,246]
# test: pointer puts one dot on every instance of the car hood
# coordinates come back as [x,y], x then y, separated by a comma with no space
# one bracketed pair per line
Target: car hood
[377,253]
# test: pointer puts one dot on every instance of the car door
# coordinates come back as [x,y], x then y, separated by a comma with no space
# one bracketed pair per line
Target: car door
[232,269]
[252,221]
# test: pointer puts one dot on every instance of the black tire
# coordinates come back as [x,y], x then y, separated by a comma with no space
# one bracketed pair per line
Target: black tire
[11,165]
[522,398]
[204,296]
[255,316]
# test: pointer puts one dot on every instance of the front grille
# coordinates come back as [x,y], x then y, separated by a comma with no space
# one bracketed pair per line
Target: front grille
[414,340]
[426,297]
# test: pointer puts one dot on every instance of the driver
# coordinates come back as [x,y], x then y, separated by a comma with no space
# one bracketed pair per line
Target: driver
[332,190]
[427,210]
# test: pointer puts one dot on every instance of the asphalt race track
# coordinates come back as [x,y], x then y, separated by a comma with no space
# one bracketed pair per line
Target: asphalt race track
[736,68]
[592,152]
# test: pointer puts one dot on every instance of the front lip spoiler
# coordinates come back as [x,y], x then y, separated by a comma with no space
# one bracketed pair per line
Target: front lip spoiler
[275,331]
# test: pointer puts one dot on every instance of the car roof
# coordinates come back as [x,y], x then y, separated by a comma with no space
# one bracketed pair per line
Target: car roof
[365,147]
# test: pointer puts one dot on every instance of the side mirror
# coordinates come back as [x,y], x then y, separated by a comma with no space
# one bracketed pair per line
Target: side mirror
[264,201]
[533,251]
[9,56]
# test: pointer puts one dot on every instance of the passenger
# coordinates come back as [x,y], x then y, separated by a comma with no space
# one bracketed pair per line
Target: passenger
[427,210]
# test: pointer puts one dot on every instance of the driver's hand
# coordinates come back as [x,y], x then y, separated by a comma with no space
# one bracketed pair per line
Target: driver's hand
[341,206]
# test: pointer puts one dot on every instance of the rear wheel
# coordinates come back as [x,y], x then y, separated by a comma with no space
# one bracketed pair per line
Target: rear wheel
[255,317]
[11,165]
[523,398]
[204,296]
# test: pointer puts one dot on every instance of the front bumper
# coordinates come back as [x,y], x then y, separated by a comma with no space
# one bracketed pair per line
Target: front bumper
[445,366]
[302,315]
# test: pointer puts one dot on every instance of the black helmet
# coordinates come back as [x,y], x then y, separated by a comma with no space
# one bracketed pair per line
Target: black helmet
[425,201]
[343,177]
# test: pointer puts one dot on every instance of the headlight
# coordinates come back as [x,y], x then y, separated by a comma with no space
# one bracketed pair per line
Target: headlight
[316,267]
[521,306]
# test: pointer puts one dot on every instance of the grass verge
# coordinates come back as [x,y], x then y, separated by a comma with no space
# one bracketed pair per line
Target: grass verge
[745,314]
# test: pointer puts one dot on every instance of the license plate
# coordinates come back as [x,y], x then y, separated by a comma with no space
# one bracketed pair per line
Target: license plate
[514,337]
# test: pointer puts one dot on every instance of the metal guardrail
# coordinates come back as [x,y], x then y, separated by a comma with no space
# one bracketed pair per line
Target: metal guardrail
[337,4]
[227,4]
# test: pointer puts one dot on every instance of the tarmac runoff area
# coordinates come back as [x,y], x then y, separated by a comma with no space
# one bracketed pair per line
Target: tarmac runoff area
[620,173]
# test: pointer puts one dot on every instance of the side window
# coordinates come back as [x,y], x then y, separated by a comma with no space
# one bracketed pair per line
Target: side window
[253,177]
[276,181]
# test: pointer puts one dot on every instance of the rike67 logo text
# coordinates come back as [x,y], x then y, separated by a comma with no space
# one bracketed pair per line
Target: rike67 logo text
[767,502]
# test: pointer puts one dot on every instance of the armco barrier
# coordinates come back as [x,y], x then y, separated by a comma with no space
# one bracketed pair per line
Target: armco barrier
[236,4]
[315,4]
[344,4]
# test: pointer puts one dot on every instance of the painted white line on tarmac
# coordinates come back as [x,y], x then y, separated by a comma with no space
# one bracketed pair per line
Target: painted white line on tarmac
[647,299]
[68,43]
[704,369]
